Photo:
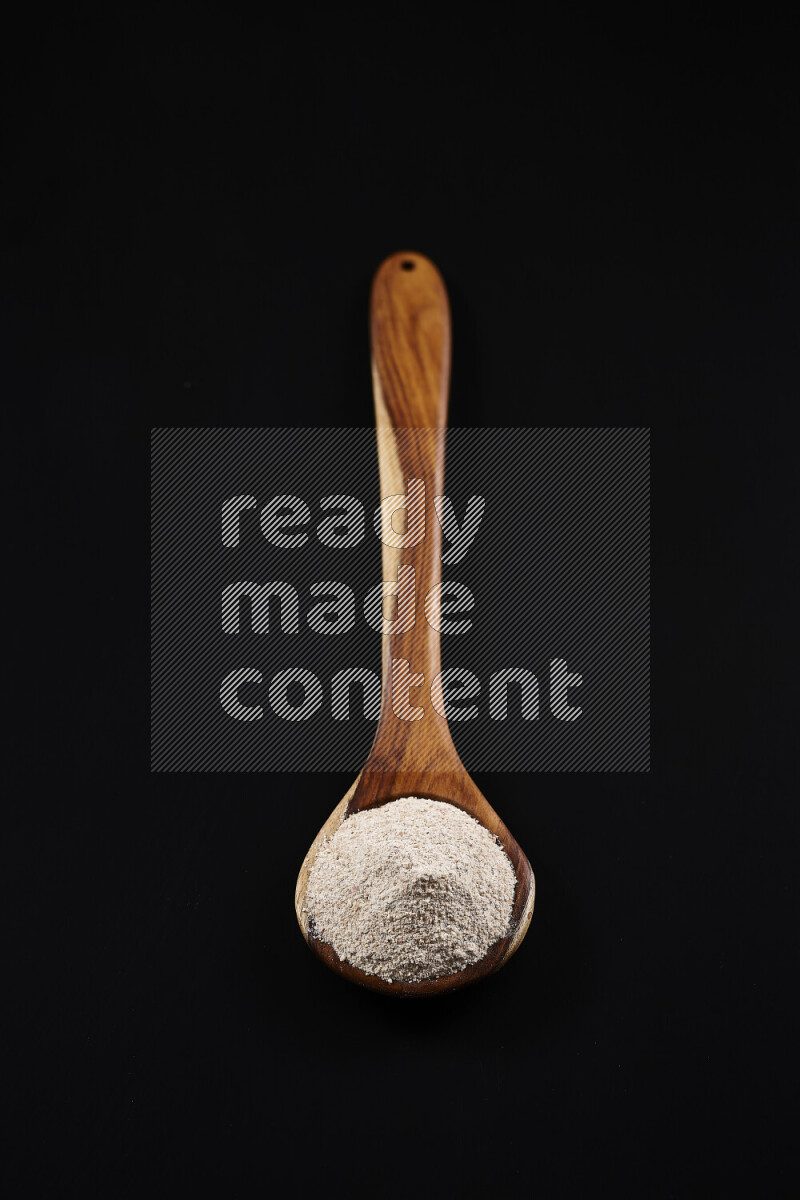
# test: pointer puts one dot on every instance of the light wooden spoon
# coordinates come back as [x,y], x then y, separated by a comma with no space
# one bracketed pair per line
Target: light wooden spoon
[410,333]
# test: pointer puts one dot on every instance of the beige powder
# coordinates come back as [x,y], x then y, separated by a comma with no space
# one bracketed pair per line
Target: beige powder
[412,890]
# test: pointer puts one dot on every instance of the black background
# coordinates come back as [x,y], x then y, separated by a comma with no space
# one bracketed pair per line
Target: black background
[192,215]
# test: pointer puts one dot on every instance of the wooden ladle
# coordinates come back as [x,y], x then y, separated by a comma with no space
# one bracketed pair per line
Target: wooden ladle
[410,334]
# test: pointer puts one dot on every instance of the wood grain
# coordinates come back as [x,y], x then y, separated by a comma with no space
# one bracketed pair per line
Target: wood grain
[410,337]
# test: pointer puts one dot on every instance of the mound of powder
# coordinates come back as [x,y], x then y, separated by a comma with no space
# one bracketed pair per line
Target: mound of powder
[412,890]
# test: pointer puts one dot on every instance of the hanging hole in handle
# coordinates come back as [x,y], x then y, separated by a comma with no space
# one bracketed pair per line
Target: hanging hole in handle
[408,264]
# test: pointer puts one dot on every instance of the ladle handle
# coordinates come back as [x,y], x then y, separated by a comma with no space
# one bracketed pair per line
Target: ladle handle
[410,334]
